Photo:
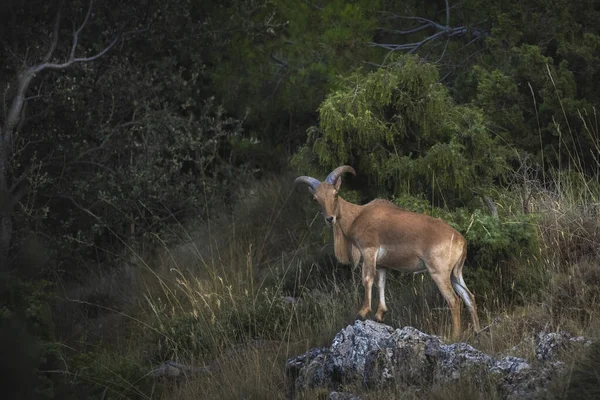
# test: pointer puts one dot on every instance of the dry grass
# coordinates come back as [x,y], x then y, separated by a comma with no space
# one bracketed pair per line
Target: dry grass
[219,300]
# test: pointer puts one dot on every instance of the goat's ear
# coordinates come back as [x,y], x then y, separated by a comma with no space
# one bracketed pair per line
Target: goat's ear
[338,184]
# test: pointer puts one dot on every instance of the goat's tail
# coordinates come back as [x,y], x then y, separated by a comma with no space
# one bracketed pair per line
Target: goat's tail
[458,283]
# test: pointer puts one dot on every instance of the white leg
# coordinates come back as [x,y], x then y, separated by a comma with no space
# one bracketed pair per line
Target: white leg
[381,308]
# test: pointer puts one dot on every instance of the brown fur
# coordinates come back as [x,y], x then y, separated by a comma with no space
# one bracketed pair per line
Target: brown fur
[342,246]
[386,236]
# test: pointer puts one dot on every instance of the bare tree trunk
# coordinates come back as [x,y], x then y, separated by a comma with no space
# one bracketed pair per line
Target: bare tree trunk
[5,202]
[13,188]
[6,231]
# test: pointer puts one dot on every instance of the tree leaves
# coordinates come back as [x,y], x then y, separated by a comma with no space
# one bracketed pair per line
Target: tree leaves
[402,130]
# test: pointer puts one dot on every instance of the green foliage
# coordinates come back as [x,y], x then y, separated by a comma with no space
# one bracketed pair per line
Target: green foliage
[503,255]
[281,62]
[104,375]
[535,77]
[494,240]
[399,127]
[26,339]
[31,300]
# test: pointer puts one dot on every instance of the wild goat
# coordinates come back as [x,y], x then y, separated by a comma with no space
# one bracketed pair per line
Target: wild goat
[388,237]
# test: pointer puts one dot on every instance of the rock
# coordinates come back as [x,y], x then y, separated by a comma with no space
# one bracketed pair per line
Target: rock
[311,369]
[459,360]
[522,381]
[342,396]
[376,355]
[173,369]
[549,344]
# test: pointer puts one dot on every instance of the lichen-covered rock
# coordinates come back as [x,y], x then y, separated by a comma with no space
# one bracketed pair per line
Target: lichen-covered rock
[459,360]
[522,381]
[351,346]
[404,359]
[342,396]
[376,355]
[549,344]
[311,369]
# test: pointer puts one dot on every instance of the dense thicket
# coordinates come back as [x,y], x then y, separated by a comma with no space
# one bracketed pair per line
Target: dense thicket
[195,95]
[122,122]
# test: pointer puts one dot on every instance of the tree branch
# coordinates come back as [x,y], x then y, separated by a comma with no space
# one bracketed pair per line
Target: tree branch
[425,23]
[25,78]
[40,67]
[18,194]
[406,32]
[422,20]
[314,5]
[54,33]
[78,31]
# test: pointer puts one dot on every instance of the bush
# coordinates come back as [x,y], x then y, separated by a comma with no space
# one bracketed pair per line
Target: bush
[400,129]
[27,339]
[108,375]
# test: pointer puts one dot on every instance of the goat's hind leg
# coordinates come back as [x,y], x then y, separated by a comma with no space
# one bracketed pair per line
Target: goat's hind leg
[444,285]
[381,308]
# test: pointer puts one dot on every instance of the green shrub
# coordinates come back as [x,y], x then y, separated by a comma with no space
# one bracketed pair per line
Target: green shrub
[27,339]
[109,375]
[400,129]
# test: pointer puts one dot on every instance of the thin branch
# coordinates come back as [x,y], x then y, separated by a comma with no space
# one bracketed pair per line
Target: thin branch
[18,194]
[21,179]
[491,205]
[406,32]
[373,64]
[442,30]
[25,78]
[96,164]
[38,68]
[443,52]
[412,47]
[314,5]
[422,20]
[78,31]
[54,33]
[281,63]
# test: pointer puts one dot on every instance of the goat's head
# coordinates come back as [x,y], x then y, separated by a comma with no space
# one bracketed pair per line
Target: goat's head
[326,193]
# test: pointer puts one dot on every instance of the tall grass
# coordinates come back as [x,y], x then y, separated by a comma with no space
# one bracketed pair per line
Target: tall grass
[246,290]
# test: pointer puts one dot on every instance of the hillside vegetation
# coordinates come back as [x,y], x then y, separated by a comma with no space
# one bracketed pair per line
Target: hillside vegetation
[148,150]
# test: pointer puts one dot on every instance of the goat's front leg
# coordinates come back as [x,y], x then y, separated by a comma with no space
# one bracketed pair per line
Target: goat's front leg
[369,258]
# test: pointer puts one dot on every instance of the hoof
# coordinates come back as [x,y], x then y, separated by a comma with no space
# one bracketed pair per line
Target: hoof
[362,314]
[380,315]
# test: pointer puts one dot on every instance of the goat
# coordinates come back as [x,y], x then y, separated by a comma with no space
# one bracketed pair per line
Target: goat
[388,237]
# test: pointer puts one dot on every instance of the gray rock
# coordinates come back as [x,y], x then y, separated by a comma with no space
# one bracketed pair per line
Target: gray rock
[459,360]
[173,369]
[376,355]
[311,369]
[549,344]
[342,396]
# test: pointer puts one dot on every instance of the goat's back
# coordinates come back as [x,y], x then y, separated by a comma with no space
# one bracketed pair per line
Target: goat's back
[382,223]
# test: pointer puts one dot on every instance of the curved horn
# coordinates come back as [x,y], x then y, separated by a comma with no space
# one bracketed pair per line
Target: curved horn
[336,173]
[311,182]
